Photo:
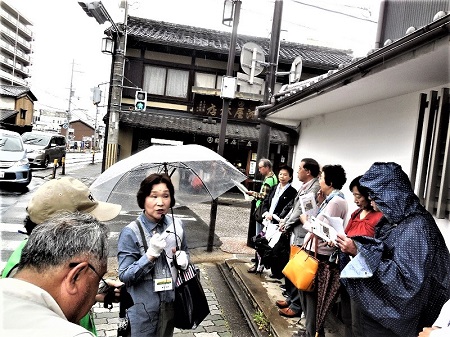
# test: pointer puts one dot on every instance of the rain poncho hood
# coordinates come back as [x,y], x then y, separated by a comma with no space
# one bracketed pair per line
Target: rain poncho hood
[408,257]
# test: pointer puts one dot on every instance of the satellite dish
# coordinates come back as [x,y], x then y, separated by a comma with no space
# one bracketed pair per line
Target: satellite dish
[296,70]
[252,59]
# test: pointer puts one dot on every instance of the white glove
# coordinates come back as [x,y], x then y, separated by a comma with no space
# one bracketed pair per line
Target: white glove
[181,259]
[157,244]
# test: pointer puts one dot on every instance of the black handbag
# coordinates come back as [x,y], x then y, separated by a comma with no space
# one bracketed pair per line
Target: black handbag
[124,327]
[191,305]
[258,214]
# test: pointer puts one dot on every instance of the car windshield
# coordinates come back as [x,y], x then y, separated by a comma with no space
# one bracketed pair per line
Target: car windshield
[35,139]
[8,143]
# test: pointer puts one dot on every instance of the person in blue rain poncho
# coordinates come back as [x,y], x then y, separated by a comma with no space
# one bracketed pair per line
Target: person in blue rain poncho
[408,257]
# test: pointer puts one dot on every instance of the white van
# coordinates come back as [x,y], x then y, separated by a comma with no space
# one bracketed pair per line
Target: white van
[14,166]
[44,147]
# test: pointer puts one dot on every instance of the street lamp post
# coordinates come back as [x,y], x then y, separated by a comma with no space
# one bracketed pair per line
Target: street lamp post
[97,10]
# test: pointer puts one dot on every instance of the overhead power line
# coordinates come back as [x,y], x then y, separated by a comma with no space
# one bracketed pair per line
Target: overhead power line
[333,11]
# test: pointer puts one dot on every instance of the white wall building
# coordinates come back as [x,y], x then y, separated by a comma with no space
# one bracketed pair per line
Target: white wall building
[44,120]
[392,105]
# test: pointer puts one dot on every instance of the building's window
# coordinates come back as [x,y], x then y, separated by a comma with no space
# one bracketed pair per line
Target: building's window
[219,82]
[23,113]
[177,83]
[203,80]
[430,171]
[166,82]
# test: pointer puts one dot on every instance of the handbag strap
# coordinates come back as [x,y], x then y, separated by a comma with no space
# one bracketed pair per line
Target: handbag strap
[304,246]
[141,230]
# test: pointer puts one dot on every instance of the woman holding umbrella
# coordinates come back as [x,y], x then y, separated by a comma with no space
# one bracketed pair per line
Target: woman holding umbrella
[150,273]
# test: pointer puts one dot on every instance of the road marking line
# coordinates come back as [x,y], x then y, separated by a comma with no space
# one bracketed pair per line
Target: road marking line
[11,227]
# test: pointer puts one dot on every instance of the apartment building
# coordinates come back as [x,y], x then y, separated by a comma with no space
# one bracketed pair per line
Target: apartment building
[15,46]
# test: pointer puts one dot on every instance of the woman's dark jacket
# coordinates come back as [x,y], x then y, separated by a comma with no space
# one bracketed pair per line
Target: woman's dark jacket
[287,196]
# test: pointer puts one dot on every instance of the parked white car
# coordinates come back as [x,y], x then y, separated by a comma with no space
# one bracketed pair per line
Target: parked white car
[14,165]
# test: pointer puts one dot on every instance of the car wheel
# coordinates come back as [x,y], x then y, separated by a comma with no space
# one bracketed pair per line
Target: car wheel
[46,162]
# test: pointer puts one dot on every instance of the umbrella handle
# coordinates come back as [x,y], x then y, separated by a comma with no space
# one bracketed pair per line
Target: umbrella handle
[174,229]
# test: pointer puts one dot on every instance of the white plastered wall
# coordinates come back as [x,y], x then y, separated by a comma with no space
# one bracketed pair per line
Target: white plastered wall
[356,138]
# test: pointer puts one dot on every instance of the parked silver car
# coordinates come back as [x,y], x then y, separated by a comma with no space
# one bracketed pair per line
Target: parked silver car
[14,166]
[44,147]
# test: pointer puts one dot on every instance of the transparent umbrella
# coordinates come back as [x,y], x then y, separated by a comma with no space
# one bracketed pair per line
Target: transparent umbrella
[198,174]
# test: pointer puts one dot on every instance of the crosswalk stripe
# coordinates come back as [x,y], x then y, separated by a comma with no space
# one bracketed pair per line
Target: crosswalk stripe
[11,227]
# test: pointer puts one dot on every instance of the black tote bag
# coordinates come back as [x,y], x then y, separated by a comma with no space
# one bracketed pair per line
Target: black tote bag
[191,305]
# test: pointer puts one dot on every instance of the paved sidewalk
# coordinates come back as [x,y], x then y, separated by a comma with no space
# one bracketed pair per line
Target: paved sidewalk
[231,228]
[214,324]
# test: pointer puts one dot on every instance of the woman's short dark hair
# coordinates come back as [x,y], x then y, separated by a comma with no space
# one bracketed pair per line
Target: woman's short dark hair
[147,185]
[311,165]
[287,168]
[364,191]
[334,176]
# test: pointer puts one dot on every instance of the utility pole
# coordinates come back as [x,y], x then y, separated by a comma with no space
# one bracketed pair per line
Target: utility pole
[274,51]
[96,99]
[115,95]
[230,70]
[69,113]
[224,118]
[264,129]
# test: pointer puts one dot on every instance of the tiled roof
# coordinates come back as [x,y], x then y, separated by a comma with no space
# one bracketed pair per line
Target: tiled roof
[5,113]
[166,33]
[161,121]
[15,91]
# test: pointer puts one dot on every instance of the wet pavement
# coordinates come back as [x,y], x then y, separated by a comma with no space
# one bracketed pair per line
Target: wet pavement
[239,302]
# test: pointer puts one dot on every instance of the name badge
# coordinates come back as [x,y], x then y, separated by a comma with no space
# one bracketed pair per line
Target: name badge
[162,284]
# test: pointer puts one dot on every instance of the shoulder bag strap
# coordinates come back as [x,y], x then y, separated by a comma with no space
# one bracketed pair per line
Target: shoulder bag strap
[141,230]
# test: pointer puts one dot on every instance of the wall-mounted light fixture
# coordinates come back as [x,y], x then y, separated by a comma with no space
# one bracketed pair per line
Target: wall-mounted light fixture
[228,13]
[107,45]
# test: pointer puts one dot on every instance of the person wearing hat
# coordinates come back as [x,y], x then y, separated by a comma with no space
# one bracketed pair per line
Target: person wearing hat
[56,196]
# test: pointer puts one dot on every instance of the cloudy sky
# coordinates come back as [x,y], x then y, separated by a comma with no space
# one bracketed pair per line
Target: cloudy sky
[65,35]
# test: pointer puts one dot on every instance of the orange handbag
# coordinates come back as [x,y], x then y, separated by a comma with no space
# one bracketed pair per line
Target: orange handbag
[294,250]
[302,268]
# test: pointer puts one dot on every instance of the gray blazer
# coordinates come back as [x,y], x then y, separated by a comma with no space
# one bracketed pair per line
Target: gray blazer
[292,219]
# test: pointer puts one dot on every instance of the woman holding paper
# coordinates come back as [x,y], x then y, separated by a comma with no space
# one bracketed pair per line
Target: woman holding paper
[362,223]
[332,204]
[280,195]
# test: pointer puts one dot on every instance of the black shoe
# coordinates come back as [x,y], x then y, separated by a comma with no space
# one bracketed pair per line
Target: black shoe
[252,270]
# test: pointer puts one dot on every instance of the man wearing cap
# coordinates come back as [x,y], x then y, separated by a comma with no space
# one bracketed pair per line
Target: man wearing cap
[65,194]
